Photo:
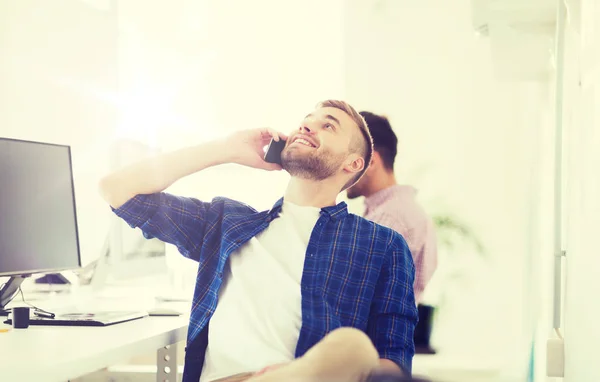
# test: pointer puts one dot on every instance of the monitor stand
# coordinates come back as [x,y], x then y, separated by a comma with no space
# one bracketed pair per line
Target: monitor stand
[8,291]
[53,278]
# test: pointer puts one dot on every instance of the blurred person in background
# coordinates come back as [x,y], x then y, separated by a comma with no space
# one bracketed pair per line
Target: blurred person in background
[393,205]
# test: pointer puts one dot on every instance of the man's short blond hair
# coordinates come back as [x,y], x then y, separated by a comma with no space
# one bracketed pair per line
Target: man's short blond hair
[361,144]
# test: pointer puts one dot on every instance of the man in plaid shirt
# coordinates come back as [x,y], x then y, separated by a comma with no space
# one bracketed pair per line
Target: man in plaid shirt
[304,291]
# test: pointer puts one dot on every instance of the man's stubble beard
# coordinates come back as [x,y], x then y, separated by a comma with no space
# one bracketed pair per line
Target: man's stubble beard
[318,166]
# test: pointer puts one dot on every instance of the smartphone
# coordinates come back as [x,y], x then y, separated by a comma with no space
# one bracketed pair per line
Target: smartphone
[273,154]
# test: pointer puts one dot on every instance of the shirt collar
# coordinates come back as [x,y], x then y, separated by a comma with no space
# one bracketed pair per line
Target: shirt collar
[338,211]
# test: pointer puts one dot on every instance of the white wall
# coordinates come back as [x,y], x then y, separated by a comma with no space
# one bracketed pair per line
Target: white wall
[229,71]
[582,204]
[58,64]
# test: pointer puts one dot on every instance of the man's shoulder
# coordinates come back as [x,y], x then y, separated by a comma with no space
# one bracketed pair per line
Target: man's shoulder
[406,210]
[185,205]
[378,232]
[180,202]
[232,205]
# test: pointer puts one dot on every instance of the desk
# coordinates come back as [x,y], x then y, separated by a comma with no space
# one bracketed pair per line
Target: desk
[60,353]
[452,368]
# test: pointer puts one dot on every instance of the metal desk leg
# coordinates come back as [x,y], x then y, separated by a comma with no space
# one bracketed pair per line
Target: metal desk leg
[166,362]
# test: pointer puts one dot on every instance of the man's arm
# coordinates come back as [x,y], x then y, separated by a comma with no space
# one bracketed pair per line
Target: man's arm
[156,174]
[393,311]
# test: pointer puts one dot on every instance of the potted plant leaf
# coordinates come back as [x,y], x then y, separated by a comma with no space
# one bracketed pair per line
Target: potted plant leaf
[454,236]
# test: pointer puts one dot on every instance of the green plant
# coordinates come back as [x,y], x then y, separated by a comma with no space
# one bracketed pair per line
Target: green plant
[449,230]
[458,247]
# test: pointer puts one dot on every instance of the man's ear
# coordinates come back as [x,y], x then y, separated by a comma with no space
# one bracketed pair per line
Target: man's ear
[375,161]
[355,164]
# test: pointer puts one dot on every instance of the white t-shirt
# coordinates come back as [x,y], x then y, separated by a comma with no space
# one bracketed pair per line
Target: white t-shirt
[258,316]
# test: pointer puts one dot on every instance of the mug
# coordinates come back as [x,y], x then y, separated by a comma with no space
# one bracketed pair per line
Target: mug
[20,317]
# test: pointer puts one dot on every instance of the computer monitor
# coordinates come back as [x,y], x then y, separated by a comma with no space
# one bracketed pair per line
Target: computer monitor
[38,221]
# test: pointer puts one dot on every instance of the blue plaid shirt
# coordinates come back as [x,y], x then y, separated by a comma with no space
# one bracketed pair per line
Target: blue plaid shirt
[356,273]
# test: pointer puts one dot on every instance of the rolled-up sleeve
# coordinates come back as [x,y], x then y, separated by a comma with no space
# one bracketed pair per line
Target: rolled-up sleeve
[173,219]
[394,314]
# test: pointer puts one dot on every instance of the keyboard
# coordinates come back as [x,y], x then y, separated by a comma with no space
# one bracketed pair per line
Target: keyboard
[86,319]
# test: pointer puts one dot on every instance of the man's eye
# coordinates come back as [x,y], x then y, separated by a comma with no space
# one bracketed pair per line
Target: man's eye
[328,125]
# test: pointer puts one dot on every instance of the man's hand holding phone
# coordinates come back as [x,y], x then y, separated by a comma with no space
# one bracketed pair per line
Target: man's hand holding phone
[247,147]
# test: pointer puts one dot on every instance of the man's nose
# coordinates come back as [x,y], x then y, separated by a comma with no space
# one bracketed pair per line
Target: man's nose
[305,129]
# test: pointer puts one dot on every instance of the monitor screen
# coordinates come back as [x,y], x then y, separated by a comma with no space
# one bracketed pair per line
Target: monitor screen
[38,223]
